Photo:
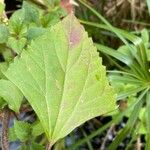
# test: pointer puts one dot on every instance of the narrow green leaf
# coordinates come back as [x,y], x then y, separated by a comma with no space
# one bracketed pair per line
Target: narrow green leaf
[62,77]
[90,147]
[134,137]
[145,35]
[131,122]
[140,56]
[116,54]
[130,92]
[148,5]
[138,71]
[128,73]
[125,79]
[148,121]
[129,36]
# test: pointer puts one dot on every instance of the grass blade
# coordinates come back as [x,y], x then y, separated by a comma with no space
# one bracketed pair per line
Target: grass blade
[148,5]
[129,126]
[148,120]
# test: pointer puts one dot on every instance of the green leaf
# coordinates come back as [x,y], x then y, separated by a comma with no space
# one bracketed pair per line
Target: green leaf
[2,103]
[130,124]
[12,134]
[8,56]
[37,129]
[31,13]
[35,32]
[143,120]
[17,26]
[53,17]
[148,120]
[35,146]
[11,94]
[17,45]
[148,5]
[145,35]
[32,146]
[62,77]
[22,130]
[142,129]
[4,33]
[51,4]
[60,145]
[116,54]
[2,8]
[3,67]
[50,19]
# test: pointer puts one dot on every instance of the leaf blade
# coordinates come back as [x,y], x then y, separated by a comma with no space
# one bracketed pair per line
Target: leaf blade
[11,94]
[58,73]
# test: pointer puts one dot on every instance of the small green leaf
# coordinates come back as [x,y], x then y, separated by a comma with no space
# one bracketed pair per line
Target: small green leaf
[37,129]
[53,17]
[36,146]
[51,4]
[2,103]
[4,33]
[32,146]
[142,129]
[17,26]
[50,19]
[145,35]
[35,32]
[31,13]
[11,94]
[148,5]
[2,8]
[8,56]
[22,130]
[3,67]
[60,145]
[12,134]
[58,75]
[16,45]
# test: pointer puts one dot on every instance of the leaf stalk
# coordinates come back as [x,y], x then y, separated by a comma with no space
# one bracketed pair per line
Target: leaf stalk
[5,126]
[48,146]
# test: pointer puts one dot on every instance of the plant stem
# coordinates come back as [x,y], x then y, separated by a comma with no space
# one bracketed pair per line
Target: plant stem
[48,146]
[5,125]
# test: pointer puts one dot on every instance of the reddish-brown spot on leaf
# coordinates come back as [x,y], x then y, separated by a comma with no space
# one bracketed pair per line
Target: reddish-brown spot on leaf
[74,31]
[74,37]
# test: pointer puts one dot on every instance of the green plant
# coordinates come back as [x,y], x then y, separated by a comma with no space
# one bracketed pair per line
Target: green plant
[51,65]
[131,80]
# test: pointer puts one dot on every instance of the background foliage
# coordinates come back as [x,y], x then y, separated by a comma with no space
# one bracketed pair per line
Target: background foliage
[120,31]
